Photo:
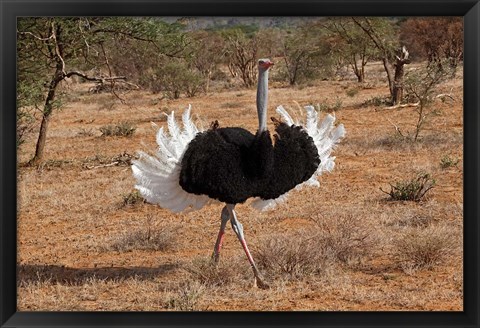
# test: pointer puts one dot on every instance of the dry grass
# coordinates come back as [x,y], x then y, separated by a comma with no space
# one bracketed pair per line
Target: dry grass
[316,251]
[123,129]
[293,256]
[426,248]
[187,297]
[86,242]
[204,271]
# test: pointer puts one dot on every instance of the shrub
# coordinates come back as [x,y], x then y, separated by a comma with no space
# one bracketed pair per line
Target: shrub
[205,271]
[352,92]
[123,129]
[413,189]
[347,237]
[448,161]
[149,238]
[377,101]
[344,240]
[424,248]
[187,297]
[293,256]
[132,198]
[329,107]
[174,78]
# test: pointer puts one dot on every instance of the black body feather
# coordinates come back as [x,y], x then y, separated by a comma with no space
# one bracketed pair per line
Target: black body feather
[232,164]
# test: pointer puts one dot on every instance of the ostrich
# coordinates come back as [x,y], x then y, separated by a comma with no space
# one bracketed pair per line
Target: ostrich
[193,167]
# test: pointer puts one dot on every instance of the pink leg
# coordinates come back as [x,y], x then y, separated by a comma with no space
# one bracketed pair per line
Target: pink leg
[221,234]
[238,228]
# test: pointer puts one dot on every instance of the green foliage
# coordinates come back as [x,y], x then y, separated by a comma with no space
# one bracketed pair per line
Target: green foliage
[174,78]
[412,189]
[306,54]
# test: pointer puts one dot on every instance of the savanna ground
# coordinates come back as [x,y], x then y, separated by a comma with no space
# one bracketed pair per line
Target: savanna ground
[86,241]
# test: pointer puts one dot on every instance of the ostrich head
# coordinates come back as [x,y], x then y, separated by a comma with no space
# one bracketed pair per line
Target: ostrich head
[262,93]
[264,64]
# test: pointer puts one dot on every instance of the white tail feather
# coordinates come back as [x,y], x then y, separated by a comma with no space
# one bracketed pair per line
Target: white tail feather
[157,175]
[288,119]
[325,136]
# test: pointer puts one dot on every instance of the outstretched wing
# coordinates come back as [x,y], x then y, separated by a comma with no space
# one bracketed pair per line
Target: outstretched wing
[325,135]
[158,175]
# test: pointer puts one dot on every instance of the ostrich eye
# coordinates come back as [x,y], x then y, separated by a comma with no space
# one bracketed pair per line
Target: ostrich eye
[261,62]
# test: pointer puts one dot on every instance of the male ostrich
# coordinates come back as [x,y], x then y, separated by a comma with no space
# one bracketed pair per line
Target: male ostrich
[193,167]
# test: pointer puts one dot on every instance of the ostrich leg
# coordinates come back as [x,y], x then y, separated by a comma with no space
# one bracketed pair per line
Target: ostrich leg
[221,233]
[238,228]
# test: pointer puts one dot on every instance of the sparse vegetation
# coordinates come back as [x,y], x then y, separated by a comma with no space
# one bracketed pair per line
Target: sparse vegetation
[447,162]
[88,242]
[132,198]
[207,273]
[328,106]
[149,237]
[187,297]
[352,92]
[315,251]
[376,101]
[412,189]
[425,248]
[123,129]
[293,256]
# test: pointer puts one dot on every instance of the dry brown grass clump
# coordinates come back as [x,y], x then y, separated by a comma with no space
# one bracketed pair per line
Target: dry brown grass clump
[187,297]
[148,238]
[298,255]
[204,270]
[123,129]
[425,248]
[132,198]
[293,256]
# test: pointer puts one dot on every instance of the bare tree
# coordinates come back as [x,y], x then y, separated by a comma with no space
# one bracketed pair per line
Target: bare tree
[380,31]
[350,44]
[401,60]
[241,52]
[206,54]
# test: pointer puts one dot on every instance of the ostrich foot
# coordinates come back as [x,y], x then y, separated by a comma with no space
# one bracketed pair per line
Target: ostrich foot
[260,283]
[214,259]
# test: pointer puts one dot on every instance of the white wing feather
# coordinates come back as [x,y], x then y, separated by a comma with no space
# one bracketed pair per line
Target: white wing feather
[325,135]
[158,175]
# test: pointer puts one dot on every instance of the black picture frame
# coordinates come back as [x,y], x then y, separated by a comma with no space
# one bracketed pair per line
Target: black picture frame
[10,10]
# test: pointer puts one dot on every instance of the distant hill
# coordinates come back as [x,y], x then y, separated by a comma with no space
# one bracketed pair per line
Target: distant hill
[218,22]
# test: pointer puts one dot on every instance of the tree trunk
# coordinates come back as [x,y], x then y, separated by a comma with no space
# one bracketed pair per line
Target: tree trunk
[47,112]
[388,69]
[207,82]
[397,91]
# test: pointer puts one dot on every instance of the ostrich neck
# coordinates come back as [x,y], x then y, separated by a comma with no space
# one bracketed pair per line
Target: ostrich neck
[262,98]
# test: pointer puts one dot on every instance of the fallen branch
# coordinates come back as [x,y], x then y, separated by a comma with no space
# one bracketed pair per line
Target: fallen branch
[445,95]
[404,105]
